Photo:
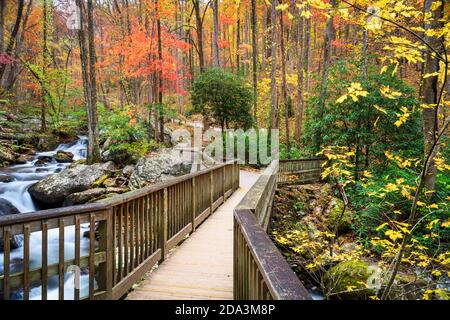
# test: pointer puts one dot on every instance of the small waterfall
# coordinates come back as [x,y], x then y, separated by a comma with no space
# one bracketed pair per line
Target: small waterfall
[25,175]
[16,192]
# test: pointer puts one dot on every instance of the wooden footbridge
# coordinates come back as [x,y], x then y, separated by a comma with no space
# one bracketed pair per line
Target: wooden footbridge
[198,236]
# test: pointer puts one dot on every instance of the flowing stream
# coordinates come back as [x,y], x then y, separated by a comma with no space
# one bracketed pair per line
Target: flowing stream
[16,192]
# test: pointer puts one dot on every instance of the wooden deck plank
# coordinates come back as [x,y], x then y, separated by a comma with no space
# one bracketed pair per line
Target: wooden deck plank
[202,266]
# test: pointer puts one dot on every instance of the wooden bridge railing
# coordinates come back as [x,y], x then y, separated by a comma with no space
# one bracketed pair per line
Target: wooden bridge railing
[260,270]
[300,170]
[128,235]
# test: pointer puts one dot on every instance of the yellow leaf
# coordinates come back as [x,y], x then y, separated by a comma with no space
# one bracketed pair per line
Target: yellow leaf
[393,235]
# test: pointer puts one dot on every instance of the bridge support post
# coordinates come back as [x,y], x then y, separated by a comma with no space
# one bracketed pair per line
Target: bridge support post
[194,203]
[211,194]
[164,222]
[105,243]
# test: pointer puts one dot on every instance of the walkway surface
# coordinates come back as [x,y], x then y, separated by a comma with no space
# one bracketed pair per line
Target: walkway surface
[202,266]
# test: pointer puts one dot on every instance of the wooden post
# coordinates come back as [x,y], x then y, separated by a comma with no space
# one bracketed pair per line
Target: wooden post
[194,203]
[164,228]
[223,183]
[105,243]
[211,182]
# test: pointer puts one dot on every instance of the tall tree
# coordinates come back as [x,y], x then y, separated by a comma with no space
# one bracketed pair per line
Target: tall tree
[300,70]
[2,24]
[286,99]
[254,60]
[238,35]
[199,30]
[88,59]
[160,80]
[430,90]
[12,39]
[216,53]
[45,58]
[273,80]
[329,37]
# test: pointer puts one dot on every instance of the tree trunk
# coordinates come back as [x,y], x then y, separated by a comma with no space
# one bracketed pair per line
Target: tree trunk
[94,149]
[216,53]
[238,37]
[199,29]
[284,84]
[87,57]
[300,67]
[273,83]
[329,36]
[2,24]
[45,58]
[307,52]
[254,60]
[12,38]
[430,90]
[160,80]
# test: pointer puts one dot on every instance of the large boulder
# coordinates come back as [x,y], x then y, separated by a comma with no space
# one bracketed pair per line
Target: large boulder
[83,196]
[6,155]
[349,280]
[339,218]
[159,167]
[77,177]
[6,209]
[63,156]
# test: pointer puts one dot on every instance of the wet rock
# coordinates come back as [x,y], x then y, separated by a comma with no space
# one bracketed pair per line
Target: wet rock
[159,167]
[6,155]
[45,158]
[83,197]
[127,171]
[63,156]
[39,163]
[76,178]
[24,158]
[5,179]
[119,156]
[6,209]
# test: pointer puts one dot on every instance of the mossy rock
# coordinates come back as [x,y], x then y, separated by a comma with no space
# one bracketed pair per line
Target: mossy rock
[347,280]
[334,217]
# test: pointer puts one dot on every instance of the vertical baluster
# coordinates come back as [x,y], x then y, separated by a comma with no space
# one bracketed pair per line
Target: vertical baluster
[211,187]
[77,252]
[91,254]
[6,261]
[137,230]
[163,230]
[141,228]
[193,203]
[132,235]
[114,217]
[26,262]
[145,226]
[126,240]
[120,235]
[151,208]
[44,264]
[61,260]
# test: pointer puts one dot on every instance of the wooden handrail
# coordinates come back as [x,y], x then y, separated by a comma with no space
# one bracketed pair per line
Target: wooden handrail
[130,232]
[266,274]
[104,204]
[260,271]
